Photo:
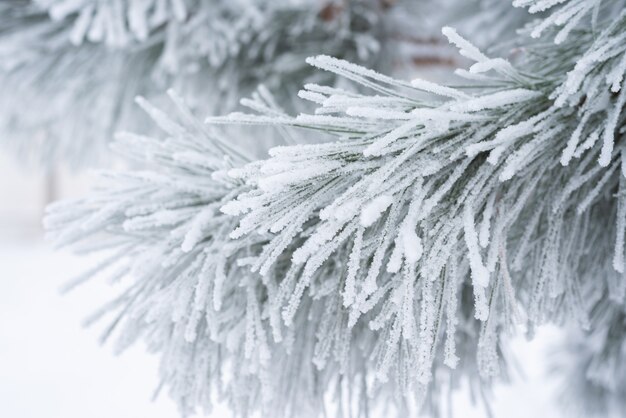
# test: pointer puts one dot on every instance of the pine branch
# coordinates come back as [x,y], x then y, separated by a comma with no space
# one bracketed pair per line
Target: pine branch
[190,294]
[408,178]
[435,219]
[80,64]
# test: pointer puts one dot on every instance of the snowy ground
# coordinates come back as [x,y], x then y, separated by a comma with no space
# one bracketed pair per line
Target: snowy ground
[52,367]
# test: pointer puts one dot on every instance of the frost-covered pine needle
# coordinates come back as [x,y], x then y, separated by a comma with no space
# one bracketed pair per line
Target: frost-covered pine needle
[388,263]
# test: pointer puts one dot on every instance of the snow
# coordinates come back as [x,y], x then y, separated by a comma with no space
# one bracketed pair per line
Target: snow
[494,100]
[465,48]
[499,64]
[437,89]
[412,245]
[284,179]
[372,211]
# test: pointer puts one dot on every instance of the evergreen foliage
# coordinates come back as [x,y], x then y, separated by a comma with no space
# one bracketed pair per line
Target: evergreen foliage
[396,246]
[81,63]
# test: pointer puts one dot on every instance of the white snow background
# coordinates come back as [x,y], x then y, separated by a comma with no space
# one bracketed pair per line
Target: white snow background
[53,367]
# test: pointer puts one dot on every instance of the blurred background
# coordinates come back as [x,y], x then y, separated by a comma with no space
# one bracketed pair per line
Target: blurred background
[52,366]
